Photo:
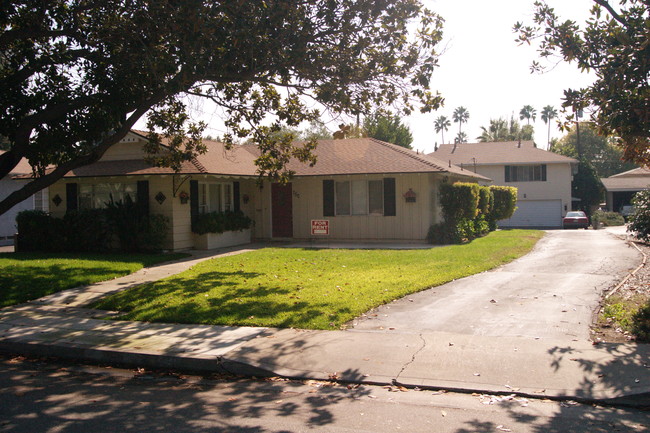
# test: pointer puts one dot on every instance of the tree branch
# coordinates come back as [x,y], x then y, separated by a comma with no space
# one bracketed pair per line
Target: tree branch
[611,11]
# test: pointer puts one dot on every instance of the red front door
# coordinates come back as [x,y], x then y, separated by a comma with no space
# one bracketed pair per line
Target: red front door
[282,210]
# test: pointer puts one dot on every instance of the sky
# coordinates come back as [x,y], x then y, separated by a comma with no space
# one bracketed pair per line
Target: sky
[482,69]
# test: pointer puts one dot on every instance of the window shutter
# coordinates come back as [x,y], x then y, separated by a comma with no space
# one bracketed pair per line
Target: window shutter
[235,196]
[143,196]
[390,204]
[544,172]
[507,173]
[194,200]
[328,198]
[71,196]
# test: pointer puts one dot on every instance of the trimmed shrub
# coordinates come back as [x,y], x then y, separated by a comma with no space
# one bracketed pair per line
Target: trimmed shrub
[38,231]
[640,219]
[219,222]
[462,205]
[134,229]
[459,200]
[85,230]
[609,219]
[505,202]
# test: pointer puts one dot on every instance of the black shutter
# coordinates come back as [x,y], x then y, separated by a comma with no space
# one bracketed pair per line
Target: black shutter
[544,172]
[71,196]
[390,204]
[507,173]
[235,196]
[143,196]
[194,200]
[328,198]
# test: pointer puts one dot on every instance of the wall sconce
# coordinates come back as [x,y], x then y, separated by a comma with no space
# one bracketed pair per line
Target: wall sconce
[184,196]
[245,198]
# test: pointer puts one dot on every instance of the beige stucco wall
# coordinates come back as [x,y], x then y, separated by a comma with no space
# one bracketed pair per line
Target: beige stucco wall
[411,223]
[557,185]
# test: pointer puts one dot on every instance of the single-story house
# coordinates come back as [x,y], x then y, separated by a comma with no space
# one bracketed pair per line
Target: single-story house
[359,189]
[620,188]
[9,184]
[543,179]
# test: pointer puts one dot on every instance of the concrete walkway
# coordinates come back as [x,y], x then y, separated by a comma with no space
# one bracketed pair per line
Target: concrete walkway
[59,326]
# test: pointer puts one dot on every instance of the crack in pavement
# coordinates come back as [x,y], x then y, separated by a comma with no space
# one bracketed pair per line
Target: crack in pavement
[424,344]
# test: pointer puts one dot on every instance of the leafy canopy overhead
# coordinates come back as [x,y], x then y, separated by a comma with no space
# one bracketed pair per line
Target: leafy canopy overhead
[75,75]
[614,44]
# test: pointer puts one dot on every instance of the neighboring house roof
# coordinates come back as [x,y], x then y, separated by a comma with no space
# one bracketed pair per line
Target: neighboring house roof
[23,166]
[334,157]
[632,180]
[498,153]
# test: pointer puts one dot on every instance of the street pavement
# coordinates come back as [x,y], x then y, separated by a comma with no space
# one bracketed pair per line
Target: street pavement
[537,358]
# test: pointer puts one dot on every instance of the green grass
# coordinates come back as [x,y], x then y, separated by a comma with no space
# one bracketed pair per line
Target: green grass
[307,288]
[27,276]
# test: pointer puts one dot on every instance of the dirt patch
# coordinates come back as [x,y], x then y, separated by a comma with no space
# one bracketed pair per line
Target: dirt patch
[611,324]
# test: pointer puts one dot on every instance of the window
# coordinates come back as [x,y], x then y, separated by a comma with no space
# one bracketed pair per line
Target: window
[359,197]
[215,197]
[526,173]
[41,200]
[96,196]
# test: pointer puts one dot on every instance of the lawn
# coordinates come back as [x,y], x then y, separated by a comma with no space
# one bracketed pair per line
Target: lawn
[309,288]
[27,276]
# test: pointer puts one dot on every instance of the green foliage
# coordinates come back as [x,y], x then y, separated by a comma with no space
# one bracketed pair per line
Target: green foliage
[548,113]
[640,219]
[505,202]
[389,128]
[441,124]
[502,130]
[219,222]
[85,230]
[466,208]
[641,324]
[460,116]
[586,186]
[134,229]
[28,276]
[76,76]
[601,152]
[614,46]
[609,219]
[37,231]
[527,112]
[309,288]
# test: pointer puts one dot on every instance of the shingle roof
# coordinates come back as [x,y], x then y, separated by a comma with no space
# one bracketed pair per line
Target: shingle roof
[632,180]
[334,157]
[508,152]
[371,156]
[23,166]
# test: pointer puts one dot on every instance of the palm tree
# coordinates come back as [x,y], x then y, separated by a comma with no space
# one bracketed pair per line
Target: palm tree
[460,115]
[497,131]
[549,112]
[461,138]
[442,124]
[527,112]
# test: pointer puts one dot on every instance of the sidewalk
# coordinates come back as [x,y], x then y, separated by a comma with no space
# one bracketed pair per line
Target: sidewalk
[59,326]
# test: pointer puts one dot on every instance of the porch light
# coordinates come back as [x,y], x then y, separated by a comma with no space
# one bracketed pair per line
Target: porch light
[410,196]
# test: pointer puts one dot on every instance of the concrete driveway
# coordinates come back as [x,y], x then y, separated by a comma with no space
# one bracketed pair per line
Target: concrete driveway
[550,293]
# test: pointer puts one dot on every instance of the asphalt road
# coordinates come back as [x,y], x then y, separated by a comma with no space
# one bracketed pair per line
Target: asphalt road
[48,397]
[550,293]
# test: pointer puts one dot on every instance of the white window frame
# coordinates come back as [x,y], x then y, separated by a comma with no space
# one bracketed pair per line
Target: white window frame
[219,202]
[89,196]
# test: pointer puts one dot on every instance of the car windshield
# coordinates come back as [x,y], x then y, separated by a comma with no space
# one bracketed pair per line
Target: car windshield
[575,214]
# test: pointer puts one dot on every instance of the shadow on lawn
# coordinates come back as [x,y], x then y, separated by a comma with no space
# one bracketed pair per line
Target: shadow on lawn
[218,298]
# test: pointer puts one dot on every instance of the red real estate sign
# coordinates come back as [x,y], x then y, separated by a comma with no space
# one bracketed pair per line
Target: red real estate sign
[320,227]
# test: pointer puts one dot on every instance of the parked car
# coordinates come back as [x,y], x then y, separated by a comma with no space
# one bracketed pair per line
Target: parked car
[575,220]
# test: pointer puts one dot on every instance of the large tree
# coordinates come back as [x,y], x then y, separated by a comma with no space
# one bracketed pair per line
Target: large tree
[527,112]
[600,152]
[75,75]
[615,45]
[460,116]
[389,128]
[548,113]
[501,130]
[442,124]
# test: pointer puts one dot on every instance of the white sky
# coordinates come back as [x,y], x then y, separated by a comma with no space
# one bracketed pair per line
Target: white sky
[482,69]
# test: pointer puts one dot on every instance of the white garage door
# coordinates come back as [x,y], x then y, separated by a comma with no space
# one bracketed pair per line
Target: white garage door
[536,213]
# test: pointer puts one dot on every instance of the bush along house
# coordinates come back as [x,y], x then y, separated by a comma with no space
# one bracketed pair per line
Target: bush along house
[359,189]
